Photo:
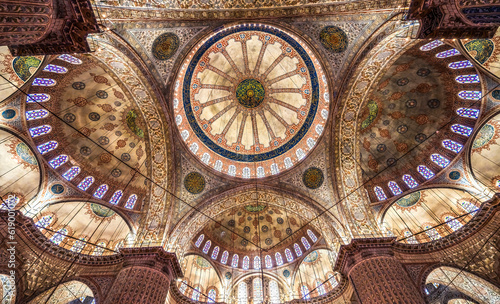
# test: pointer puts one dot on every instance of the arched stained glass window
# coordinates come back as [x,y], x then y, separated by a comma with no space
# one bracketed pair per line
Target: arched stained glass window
[471,78]
[234,261]
[460,64]
[410,238]
[467,112]
[58,161]
[470,95]
[461,129]
[304,292]
[44,82]
[99,249]
[55,69]
[258,295]
[70,59]
[131,201]
[278,258]
[410,181]
[298,251]
[394,187]
[305,243]
[288,255]
[268,261]
[59,236]
[36,114]
[44,222]
[71,173]
[86,182]
[78,245]
[99,193]
[431,45]
[199,240]
[452,145]
[448,53]
[320,288]
[440,160]
[312,236]
[117,196]
[246,262]
[379,192]
[38,97]
[10,202]
[425,172]
[183,287]
[215,253]
[196,294]
[256,263]
[212,296]
[242,293]
[225,255]
[468,206]
[453,223]
[274,292]
[207,246]
[48,146]
[432,233]
[332,280]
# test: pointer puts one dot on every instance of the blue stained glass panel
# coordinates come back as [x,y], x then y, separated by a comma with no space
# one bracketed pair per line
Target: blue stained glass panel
[304,291]
[431,45]
[379,192]
[86,182]
[215,253]
[278,258]
[212,294]
[36,114]
[432,233]
[256,263]
[246,262]
[460,64]
[131,201]
[410,181]
[234,261]
[70,59]
[48,146]
[425,172]
[99,249]
[207,246]
[71,173]
[78,245]
[320,288]
[472,78]
[453,223]
[452,145]
[461,129]
[470,95]
[99,193]
[394,187]
[58,161]
[59,236]
[466,112]
[448,53]
[44,82]
[312,236]
[268,261]
[116,197]
[39,97]
[305,243]
[410,238]
[225,255]
[440,160]
[199,240]
[298,251]
[40,130]
[44,222]
[55,69]
[288,255]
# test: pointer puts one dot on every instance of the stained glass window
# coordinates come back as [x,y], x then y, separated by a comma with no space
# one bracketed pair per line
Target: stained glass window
[116,197]
[183,287]
[225,255]
[36,114]
[410,238]
[379,192]
[460,64]
[99,249]
[432,233]
[246,262]
[258,295]
[268,261]
[312,236]
[234,261]
[470,95]
[274,292]
[467,112]
[196,294]
[333,281]
[305,243]
[298,251]
[131,201]
[199,240]
[410,181]
[212,295]
[70,59]
[288,254]
[461,129]
[99,193]
[58,161]
[304,292]
[48,146]
[55,69]
[278,258]
[452,145]
[207,246]
[215,253]
[425,172]
[431,45]
[86,182]
[78,245]
[453,223]
[393,186]
[448,53]
[38,97]
[71,173]
[10,202]
[59,236]
[468,206]
[256,263]
[44,82]
[320,288]
[471,78]
[440,160]
[242,293]
[44,222]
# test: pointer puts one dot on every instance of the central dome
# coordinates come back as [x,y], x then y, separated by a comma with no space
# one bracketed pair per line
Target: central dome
[251,100]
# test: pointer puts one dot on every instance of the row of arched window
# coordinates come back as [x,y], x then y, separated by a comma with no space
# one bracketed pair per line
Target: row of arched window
[257,263]
[319,287]
[197,291]
[257,292]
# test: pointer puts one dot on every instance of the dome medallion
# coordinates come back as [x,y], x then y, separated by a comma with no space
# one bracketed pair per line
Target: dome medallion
[251,100]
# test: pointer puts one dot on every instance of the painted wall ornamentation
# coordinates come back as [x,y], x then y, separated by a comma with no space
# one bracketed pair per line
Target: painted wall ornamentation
[194,182]
[165,46]
[334,39]
[313,178]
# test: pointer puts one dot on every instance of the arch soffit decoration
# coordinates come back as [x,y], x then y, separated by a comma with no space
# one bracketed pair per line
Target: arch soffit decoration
[212,264]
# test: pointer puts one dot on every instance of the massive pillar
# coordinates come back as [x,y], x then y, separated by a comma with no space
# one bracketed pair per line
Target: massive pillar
[376,275]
